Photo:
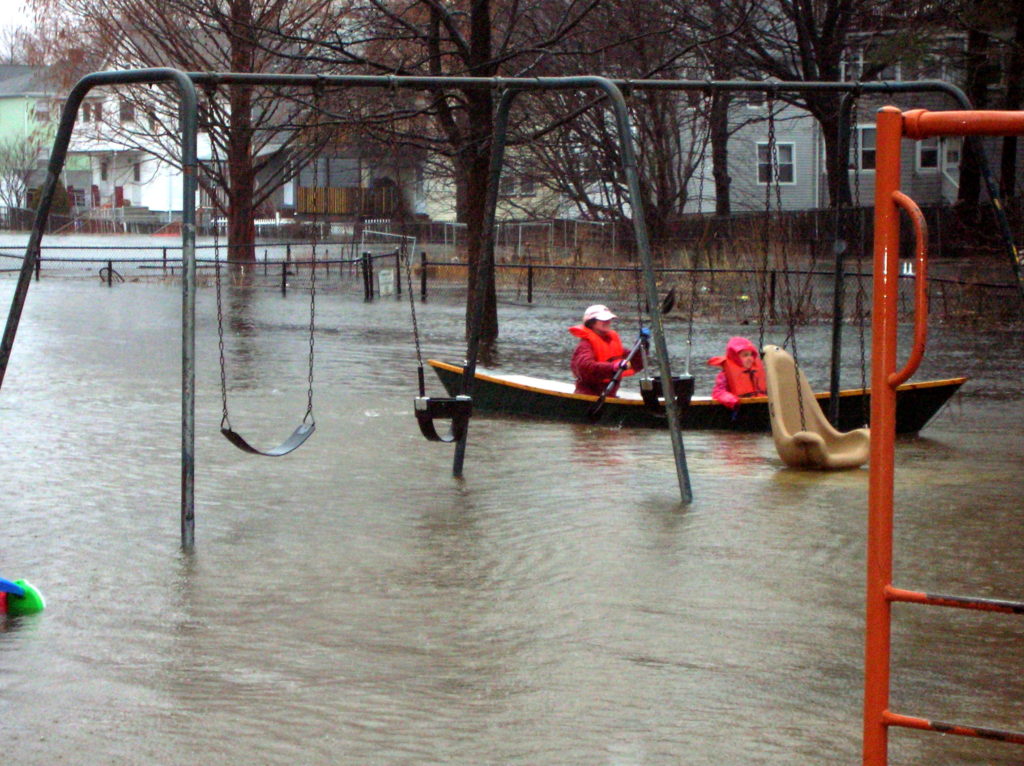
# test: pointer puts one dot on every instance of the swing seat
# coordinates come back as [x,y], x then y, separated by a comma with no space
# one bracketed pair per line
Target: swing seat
[652,393]
[457,409]
[807,440]
[293,442]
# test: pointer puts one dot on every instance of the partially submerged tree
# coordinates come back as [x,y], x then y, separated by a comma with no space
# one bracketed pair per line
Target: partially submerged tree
[470,38]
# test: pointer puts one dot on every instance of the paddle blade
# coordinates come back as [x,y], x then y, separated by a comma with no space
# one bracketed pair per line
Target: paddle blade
[669,301]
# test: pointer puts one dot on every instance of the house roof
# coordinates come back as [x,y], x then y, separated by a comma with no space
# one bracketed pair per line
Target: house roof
[22,80]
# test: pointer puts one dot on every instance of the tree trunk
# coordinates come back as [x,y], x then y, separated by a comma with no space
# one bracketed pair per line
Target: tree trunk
[977,81]
[836,136]
[242,182]
[837,149]
[720,151]
[477,149]
[241,177]
[1014,98]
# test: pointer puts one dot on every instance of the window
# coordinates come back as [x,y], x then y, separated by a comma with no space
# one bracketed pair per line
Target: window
[104,171]
[860,65]
[126,112]
[784,166]
[137,171]
[41,111]
[97,111]
[928,154]
[754,99]
[865,147]
[952,154]
[86,112]
[517,186]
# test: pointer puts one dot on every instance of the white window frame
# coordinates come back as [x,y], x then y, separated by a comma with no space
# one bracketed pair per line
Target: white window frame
[859,148]
[779,164]
[952,151]
[932,145]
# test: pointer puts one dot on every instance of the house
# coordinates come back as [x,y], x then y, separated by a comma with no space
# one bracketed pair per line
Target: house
[29,109]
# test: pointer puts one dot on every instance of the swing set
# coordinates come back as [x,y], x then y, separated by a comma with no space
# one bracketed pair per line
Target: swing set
[428,409]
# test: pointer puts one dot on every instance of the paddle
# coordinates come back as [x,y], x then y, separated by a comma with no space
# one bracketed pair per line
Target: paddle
[595,409]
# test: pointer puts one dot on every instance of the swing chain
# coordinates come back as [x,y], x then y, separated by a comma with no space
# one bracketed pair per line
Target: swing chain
[406,257]
[225,421]
[860,302]
[774,180]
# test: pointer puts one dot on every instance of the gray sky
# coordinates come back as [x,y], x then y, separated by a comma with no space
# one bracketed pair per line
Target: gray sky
[14,14]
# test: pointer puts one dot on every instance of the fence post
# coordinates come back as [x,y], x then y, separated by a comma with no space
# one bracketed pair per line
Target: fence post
[164,266]
[39,263]
[265,264]
[529,283]
[423,276]
[398,274]
[367,278]
[110,273]
[284,278]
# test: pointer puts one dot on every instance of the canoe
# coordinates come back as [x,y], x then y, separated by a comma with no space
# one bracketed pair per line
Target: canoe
[521,395]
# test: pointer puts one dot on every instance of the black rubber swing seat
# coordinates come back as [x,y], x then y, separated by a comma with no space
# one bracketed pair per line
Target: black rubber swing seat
[653,394]
[457,409]
[293,442]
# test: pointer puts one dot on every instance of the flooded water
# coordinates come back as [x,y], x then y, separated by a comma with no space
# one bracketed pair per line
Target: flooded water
[353,603]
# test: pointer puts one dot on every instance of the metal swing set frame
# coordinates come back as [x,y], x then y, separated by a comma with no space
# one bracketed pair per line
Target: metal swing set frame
[892,126]
[509,88]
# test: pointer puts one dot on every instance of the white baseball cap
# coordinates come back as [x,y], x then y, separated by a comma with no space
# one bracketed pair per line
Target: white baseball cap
[598,312]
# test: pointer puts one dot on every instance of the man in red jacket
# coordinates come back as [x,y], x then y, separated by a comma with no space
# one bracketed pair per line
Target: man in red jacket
[600,353]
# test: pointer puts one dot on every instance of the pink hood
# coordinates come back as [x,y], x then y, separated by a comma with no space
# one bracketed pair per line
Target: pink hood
[732,351]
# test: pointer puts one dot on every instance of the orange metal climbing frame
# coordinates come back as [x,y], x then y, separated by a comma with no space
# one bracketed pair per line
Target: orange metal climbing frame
[894,125]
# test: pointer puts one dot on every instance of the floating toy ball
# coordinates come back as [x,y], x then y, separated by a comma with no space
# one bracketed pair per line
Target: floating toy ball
[19,597]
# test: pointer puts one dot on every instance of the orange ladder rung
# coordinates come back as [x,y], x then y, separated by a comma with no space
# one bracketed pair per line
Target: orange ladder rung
[910,722]
[959,602]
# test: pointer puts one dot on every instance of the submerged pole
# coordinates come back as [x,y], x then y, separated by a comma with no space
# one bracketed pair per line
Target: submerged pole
[643,247]
[486,265]
[58,155]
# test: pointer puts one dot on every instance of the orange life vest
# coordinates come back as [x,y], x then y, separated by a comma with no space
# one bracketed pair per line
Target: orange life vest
[608,349]
[742,381]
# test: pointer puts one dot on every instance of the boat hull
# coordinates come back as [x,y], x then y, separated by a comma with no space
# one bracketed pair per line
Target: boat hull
[916,404]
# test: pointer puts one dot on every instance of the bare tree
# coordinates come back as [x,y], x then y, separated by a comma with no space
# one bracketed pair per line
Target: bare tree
[252,130]
[14,45]
[475,38]
[993,77]
[19,162]
[796,41]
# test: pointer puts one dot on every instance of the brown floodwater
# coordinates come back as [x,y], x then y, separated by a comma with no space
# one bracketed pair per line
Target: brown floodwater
[354,603]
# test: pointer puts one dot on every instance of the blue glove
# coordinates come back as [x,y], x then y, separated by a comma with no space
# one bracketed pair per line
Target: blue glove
[645,338]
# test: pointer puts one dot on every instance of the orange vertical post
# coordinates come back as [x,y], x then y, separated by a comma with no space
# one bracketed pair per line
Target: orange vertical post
[883,434]
[892,126]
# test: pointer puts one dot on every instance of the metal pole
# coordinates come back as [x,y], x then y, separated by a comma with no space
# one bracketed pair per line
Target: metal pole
[884,328]
[838,295]
[398,273]
[486,266]
[644,251]
[423,276]
[58,155]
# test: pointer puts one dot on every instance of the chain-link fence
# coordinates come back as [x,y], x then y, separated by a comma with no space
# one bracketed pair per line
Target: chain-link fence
[755,274]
